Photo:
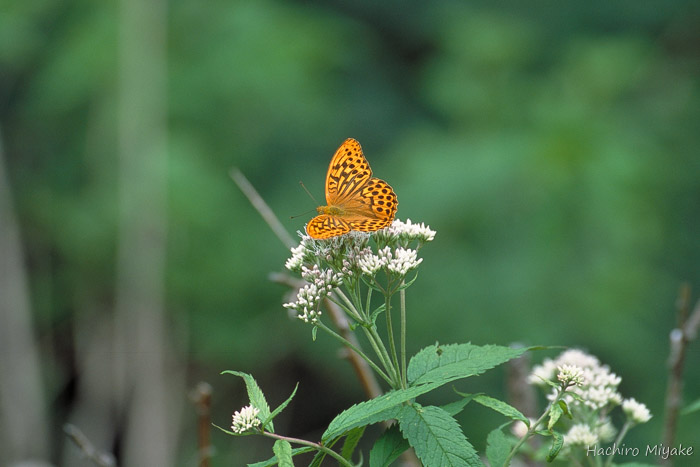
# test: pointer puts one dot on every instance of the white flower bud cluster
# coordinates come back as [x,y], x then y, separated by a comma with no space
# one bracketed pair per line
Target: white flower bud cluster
[245,419]
[636,411]
[598,386]
[320,284]
[580,435]
[406,232]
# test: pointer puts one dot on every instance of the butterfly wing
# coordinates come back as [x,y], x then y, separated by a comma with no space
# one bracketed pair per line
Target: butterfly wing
[348,173]
[325,226]
[374,208]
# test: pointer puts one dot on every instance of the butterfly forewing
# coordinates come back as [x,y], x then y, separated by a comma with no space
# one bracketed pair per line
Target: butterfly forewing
[347,174]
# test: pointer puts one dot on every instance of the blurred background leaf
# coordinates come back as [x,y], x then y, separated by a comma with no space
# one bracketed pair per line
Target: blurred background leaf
[553,146]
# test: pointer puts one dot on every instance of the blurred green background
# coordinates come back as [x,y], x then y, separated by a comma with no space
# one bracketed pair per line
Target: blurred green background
[553,146]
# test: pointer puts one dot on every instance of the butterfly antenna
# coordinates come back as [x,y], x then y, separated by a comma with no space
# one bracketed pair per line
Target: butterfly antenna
[310,196]
[307,191]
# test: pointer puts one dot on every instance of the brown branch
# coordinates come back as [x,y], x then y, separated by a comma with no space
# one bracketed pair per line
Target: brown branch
[261,206]
[679,339]
[201,397]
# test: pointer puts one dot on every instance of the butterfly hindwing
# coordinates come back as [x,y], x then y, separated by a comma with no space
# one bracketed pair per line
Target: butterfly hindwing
[325,226]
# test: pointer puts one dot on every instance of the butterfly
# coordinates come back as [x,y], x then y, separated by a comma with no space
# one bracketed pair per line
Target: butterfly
[356,200]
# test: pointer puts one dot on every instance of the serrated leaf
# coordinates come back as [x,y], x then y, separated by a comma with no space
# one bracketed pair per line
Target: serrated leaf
[255,395]
[283,452]
[557,443]
[387,448]
[385,407]
[446,363]
[281,407]
[351,441]
[436,437]
[498,447]
[502,408]
[555,412]
[271,462]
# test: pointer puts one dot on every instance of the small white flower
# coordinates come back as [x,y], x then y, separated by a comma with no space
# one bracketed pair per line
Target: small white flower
[294,263]
[581,435]
[404,260]
[369,263]
[636,411]
[606,431]
[245,419]
[308,303]
[570,375]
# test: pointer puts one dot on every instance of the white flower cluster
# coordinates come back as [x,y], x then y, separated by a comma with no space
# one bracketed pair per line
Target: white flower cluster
[598,388]
[636,411]
[245,419]
[320,284]
[570,375]
[580,435]
[297,260]
[407,231]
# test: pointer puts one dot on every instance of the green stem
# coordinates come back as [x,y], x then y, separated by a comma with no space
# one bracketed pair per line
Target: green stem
[529,433]
[617,441]
[390,333]
[320,447]
[347,305]
[404,376]
[359,352]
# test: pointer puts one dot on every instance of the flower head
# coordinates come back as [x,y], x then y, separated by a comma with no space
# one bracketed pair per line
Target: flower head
[636,411]
[245,419]
[596,386]
[580,435]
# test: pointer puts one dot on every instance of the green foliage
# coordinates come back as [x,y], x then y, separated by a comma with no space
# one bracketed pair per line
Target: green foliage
[498,446]
[436,437]
[446,363]
[388,447]
[283,453]
[556,159]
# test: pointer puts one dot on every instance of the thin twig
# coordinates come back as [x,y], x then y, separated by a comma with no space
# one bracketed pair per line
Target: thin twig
[201,396]
[679,339]
[89,451]
[261,206]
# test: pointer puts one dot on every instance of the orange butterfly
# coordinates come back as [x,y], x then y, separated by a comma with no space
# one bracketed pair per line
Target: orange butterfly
[356,200]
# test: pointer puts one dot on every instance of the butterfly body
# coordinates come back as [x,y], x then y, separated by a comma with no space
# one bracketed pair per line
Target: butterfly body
[356,200]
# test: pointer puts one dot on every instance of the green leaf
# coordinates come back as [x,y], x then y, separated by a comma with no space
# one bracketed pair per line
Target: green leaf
[557,443]
[283,452]
[273,460]
[351,441]
[255,395]
[387,448]
[436,437]
[501,407]
[385,407]
[498,447]
[445,363]
[453,408]
[690,408]
[281,407]
[554,414]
